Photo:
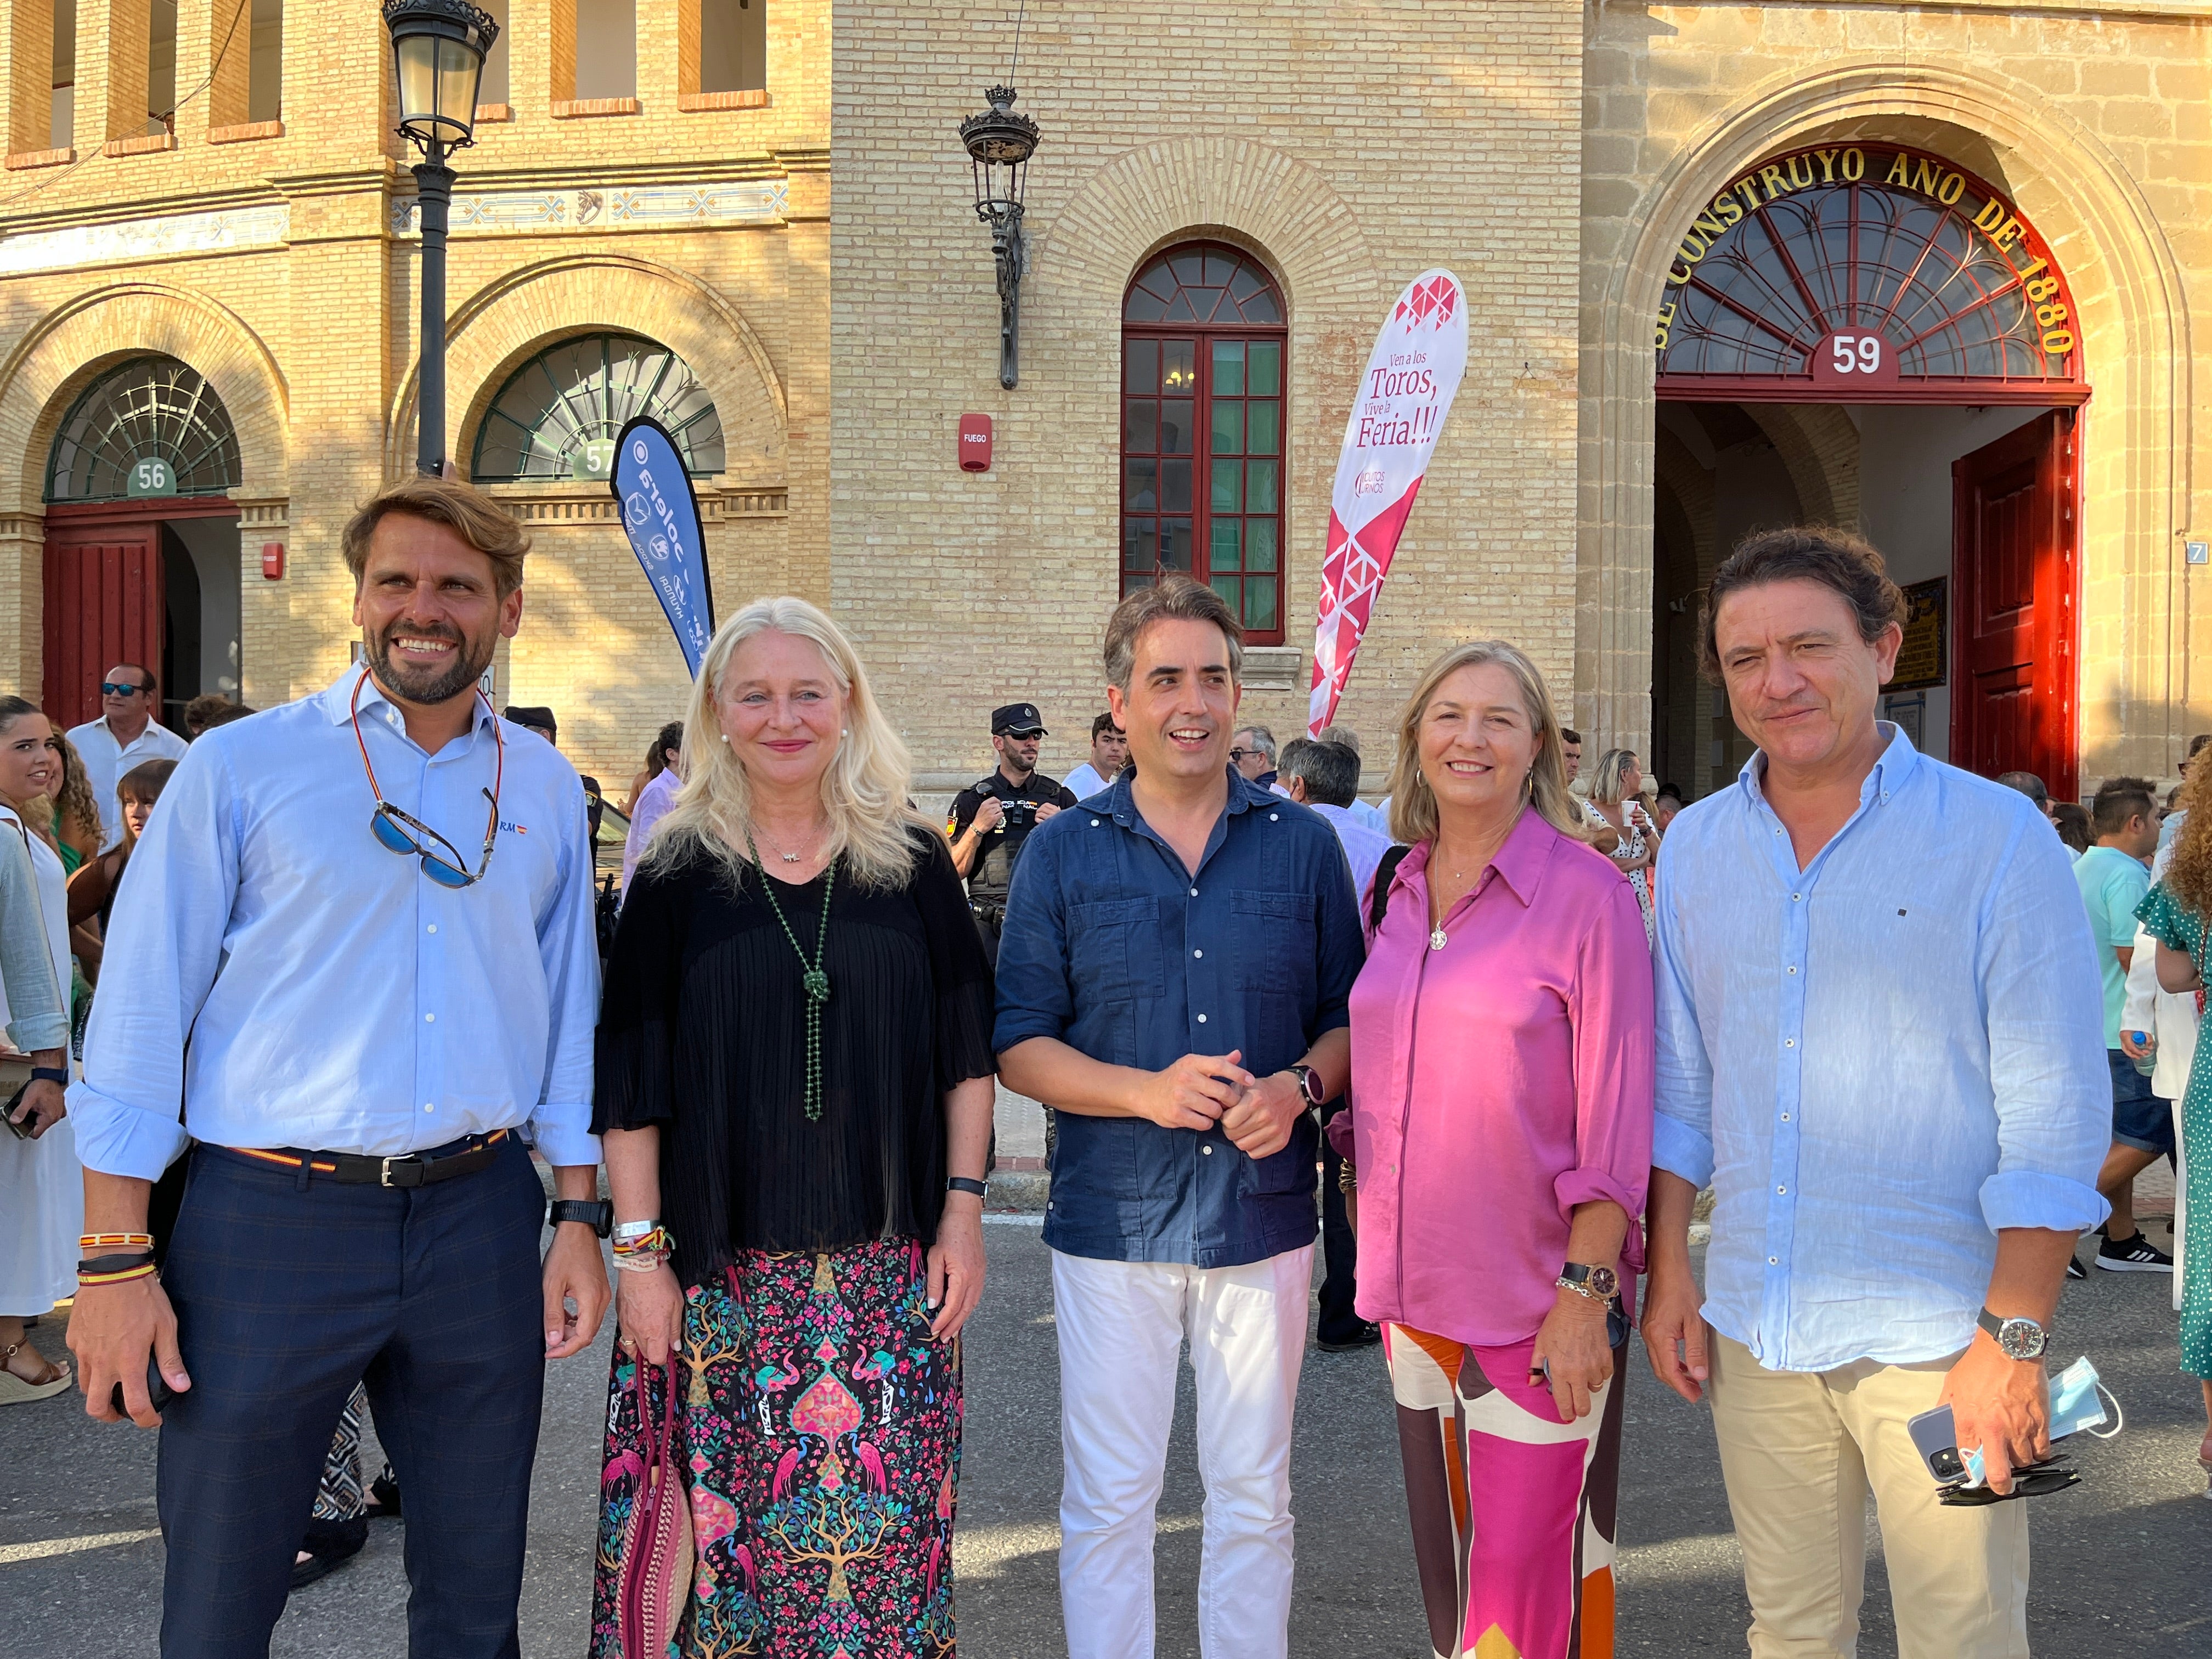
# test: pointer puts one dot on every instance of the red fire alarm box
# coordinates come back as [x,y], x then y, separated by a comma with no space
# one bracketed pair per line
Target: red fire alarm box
[272,561]
[975,443]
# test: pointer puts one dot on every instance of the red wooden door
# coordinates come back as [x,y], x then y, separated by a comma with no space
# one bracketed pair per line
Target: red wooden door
[2014,561]
[103,607]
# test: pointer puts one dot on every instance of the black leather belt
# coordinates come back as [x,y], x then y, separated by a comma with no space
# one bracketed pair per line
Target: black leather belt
[458,1158]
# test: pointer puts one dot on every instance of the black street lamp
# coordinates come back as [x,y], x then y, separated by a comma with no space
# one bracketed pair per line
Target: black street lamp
[438,49]
[999,144]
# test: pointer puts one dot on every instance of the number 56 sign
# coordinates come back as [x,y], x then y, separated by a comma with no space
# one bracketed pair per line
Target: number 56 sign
[1854,363]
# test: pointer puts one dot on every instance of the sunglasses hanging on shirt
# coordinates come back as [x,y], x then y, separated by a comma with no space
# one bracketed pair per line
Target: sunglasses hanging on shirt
[399,832]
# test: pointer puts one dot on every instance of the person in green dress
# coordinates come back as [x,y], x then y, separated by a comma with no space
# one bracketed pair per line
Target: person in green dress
[2176,913]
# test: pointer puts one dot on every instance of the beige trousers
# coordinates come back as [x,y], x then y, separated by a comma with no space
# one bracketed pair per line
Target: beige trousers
[1800,1451]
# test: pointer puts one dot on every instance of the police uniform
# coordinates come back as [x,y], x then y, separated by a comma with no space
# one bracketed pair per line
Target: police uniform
[993,872]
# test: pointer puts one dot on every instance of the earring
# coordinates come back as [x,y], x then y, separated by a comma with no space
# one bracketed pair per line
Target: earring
[726,737]
[847,732]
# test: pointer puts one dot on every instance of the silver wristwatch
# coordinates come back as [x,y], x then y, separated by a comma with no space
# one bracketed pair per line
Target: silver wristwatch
[2020,1339]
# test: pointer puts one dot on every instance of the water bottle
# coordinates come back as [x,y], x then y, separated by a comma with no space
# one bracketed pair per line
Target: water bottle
[2148,1044]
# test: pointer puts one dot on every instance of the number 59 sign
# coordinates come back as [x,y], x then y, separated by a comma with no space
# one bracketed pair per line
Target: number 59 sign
[1852,363]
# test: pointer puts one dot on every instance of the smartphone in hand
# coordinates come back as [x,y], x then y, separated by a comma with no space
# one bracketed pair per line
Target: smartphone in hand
[1935,1438]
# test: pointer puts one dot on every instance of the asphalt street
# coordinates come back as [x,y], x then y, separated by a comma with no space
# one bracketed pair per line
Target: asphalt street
[2120,1566]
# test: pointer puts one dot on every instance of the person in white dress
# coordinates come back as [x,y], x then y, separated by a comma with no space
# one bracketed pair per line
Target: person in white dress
[1615,804]
[41,1184]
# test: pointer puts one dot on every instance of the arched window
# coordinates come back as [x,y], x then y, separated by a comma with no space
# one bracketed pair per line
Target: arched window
[1202,337]
[558,415]
[150,427]
[1866,273]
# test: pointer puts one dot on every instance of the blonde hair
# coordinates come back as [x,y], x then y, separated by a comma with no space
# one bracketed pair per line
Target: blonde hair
[1413,809]
[475,518]
[1609,782]
[864,789]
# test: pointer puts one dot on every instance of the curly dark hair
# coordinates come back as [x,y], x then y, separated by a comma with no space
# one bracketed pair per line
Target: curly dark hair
[1818,553]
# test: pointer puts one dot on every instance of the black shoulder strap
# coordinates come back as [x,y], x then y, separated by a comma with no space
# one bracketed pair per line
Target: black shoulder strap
[1378,899]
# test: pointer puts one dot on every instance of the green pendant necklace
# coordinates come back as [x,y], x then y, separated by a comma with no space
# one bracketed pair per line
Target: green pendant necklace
[815,979]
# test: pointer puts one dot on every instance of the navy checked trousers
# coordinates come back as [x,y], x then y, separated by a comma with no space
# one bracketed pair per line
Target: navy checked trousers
[288,1290]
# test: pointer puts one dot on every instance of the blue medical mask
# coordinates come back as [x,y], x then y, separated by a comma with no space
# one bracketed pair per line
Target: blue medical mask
[2076,1402]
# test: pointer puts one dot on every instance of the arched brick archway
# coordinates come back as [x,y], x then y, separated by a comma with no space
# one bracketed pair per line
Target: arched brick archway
[2135,338]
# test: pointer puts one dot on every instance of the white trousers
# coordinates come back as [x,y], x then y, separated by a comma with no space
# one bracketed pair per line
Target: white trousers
[1121,1327]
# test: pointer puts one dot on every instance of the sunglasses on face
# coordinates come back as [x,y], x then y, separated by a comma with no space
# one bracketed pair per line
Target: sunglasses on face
[109,689]
[400,832]
[1246,754]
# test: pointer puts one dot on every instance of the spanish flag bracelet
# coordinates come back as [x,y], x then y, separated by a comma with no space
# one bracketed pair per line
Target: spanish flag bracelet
[128,1240]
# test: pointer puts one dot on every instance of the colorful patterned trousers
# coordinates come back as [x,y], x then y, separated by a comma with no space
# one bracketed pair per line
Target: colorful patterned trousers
[1513,1511]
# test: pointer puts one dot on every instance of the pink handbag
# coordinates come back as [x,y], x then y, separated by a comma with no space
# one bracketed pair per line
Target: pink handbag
[641,1491]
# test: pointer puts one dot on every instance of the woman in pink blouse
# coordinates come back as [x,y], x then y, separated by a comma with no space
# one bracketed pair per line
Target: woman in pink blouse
[1501,1040]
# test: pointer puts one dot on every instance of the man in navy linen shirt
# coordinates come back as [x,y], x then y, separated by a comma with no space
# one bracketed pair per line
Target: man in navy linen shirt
[1878,1040]
[1172,978]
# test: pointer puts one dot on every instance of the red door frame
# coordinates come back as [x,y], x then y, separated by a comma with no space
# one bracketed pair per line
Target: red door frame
[65,681]
[2056,633]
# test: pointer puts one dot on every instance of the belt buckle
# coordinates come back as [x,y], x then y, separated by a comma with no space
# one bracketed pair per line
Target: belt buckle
[410,1165]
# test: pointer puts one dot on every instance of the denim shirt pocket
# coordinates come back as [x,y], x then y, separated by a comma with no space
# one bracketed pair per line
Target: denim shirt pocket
[1275,933]
[1113,951]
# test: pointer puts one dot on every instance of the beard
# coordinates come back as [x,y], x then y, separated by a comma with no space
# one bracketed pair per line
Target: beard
[425,685]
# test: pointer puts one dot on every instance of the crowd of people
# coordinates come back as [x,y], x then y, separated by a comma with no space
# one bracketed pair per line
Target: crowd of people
[1513,1028]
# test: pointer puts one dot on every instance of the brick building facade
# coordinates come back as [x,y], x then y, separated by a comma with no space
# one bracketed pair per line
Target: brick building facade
[1560,159]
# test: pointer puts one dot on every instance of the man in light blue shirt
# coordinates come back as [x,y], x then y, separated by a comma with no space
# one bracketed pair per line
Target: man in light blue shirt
[1878,1042]
[357,945]
[1324,775]
[2114,878]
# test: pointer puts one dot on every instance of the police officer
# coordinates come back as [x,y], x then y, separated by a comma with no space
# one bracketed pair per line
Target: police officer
[992,816]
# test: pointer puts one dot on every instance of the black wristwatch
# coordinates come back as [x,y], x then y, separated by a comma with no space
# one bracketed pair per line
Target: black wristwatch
[1310,1085]
[966,1184]
[51,1075]
[597,1213]
[2019,1338]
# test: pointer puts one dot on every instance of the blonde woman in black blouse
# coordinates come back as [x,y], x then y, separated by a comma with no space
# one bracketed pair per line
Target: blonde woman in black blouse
[795,1087]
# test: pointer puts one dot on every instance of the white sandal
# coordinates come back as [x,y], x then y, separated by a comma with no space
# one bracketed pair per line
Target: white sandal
[14,1391]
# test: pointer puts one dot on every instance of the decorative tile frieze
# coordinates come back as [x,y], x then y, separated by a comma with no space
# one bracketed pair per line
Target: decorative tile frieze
[656,205]
[126,241]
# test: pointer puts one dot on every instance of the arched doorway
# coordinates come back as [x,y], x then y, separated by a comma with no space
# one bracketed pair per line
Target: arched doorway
[557,417]
[140,560]
[1870,334]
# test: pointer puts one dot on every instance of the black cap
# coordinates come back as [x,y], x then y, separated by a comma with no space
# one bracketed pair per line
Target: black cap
[536,716]
[1017,720]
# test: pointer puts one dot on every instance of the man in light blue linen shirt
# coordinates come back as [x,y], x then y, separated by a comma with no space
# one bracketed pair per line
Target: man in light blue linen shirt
[357,943]
[1878,1040]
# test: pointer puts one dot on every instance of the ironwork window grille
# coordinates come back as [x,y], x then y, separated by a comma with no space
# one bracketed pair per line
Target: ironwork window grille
[583,391]
[1858,257]
[150,427]
[1202,342]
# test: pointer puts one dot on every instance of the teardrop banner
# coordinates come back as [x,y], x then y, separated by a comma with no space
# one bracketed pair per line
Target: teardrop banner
[1413,374]
[660,516]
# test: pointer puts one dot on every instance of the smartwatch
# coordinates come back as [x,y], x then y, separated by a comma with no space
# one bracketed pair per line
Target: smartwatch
[597,1214]
[1309,1084]
[51,1075]
[2020,1339]
[1597,1284]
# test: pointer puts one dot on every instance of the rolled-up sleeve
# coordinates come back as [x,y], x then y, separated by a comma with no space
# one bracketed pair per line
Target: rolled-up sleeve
[164,948]
[2047,1066]
[1611,1012]
[1682,1124]
[1036,993]
[36,1018]
[568,947]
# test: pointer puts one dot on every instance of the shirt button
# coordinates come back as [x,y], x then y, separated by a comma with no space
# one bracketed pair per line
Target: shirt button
[1783,1190]
[1790,1043]
[1785,1117]
[1198,953]
[430,1019]
[433,926]
[1796,898]
[1095,823]
[1201,1019]
[1793,969]
[1774,1262]
[1270,818]
[1194,892]
[1208,1151]
[428,1107]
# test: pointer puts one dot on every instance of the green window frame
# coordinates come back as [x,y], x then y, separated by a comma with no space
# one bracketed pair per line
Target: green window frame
[550,414]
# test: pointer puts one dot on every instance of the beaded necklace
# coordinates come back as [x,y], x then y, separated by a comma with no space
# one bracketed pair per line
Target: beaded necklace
[815,979]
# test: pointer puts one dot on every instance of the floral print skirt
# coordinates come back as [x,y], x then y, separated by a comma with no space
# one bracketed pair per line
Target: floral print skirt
[820,1426]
